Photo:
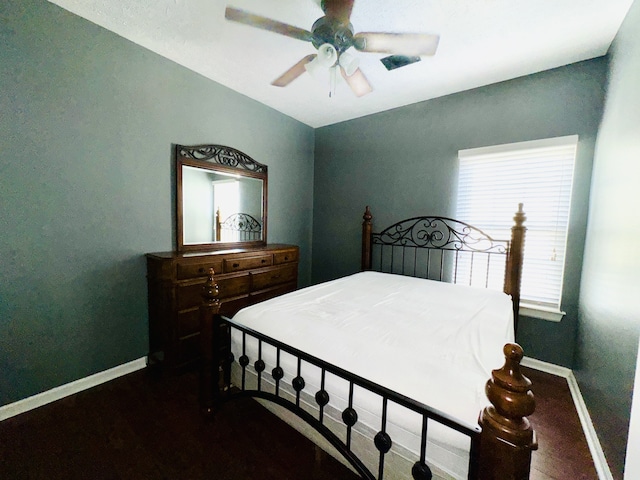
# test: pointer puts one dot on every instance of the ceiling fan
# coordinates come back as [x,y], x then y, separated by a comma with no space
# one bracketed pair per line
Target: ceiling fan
[332,35]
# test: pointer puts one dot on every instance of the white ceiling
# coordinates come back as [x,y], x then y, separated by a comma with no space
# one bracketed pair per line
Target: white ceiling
[481,42]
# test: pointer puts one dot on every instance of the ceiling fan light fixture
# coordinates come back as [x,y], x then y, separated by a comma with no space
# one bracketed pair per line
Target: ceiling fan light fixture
[327,55]
[325,59]
[315,68]
[349,63]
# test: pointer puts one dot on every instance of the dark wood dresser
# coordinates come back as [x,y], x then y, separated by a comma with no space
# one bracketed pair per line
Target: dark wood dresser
[245,276]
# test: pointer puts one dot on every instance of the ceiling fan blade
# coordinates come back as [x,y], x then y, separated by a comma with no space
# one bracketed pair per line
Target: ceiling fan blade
[409,44]
[358,82]
[396,61]
[294,72]
[338,9]
[258,21]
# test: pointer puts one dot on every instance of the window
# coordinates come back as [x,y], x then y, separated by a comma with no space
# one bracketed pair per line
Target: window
[226,202]
[539,174]
[226,197]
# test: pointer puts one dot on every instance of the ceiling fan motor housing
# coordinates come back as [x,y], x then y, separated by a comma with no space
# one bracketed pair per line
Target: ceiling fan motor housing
[326,30]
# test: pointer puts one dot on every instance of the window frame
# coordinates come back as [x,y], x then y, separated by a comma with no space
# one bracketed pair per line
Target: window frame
[565,145]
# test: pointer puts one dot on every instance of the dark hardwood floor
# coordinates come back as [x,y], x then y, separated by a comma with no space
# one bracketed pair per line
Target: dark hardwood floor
[147,426]
[563,452]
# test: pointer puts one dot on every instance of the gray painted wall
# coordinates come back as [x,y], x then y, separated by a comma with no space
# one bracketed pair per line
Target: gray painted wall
[86,181]
[404,163]
[609,324]
[87,124]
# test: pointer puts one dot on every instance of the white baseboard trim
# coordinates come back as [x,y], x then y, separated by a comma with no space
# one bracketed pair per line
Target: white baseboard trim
[602,467]
[35,401]
[40,399]
[551,368]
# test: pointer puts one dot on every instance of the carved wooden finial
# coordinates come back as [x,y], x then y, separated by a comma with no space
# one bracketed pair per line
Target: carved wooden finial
[366,239]
[520,217]
[210,291]
[367,215]
[509,391]
[507,438]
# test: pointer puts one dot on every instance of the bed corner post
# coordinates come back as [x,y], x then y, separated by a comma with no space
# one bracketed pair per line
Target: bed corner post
[366,240]
[218,226]
[209,345]
[513,280]
[507,439]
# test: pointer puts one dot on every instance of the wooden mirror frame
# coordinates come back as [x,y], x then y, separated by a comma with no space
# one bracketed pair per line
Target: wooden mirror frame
[222,159]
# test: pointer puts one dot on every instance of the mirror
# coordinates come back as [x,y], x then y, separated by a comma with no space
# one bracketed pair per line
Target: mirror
[221,199]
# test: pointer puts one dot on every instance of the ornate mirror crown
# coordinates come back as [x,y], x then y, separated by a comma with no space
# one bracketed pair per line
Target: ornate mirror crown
[221,199]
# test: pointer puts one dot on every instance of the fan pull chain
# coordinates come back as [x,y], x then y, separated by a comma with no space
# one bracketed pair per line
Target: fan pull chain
[332,81]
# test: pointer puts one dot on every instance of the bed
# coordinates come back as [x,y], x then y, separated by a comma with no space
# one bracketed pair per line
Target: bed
[237,227]
[362,361]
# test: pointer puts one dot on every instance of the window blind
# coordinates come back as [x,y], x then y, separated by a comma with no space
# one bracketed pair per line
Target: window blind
[539,174]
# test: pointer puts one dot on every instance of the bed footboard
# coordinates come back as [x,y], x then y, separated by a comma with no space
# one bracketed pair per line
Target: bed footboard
[500,445]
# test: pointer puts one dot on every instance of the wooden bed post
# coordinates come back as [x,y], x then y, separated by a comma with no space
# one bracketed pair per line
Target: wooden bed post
[507,438]
[209,345]
[513,279]
[218,226]
[366,239]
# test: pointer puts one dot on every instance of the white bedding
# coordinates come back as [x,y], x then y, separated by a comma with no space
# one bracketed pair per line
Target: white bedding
[431,341]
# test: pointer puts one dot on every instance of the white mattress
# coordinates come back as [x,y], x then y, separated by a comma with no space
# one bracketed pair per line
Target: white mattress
[431,341]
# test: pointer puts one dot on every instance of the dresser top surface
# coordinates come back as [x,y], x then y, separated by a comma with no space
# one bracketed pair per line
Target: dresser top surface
[178,255]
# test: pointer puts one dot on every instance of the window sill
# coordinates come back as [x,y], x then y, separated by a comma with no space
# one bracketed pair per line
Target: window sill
[543,313]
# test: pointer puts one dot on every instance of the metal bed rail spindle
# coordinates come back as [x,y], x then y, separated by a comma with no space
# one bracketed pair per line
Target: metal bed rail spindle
[349,416]
[486,279]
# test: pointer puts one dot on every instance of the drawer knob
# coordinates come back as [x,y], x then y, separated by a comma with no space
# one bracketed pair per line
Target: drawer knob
[201,270]
[263,260]
[286,258]
[236,265]
[274,277]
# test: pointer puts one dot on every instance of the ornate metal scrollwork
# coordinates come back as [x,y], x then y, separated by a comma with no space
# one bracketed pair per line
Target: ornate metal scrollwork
[441,233]
[223,155]
[298,383]
[259,366]
[383,442]
[241,222]
[421,471]
[349,417]
[322,397]
[277,373]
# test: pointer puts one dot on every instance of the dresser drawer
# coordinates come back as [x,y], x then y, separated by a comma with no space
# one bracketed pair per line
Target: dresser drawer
[275,276]
[188,322]
[231,306]
[273,292]
[246,263]
[200,269]
[188,349]
[190,295]
[234,286]
[189,344]
[285,257]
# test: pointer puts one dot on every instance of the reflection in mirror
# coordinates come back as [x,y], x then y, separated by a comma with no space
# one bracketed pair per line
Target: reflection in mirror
[221,198]
[220,207]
